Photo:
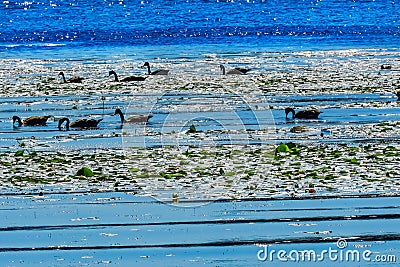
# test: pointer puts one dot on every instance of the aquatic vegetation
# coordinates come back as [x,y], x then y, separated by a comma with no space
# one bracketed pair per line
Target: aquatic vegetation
[19,153]
[170,175]
[246,171]
[283,148]
[84,172]
[192,129]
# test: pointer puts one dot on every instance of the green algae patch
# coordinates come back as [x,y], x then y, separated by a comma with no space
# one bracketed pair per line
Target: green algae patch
[19,153]
[283,148]
[178,174]
[192,129]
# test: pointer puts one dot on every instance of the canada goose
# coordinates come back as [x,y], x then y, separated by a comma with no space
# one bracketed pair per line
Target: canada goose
[239,71]
[299,129]
[80,123]
[31,121]
[74,79]
[133,119]
[303,114]
[126,79]
[156,72]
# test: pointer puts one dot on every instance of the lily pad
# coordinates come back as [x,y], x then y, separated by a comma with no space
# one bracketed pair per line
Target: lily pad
[85,172]
[283,148]
[192,129]
[19,153]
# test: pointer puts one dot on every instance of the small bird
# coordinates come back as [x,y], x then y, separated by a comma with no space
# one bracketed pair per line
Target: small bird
[133,119]
[31,121]
[299,129]
[79,123]
[303,114]
[156,72]
[126,79]
[239,71]
[74,79]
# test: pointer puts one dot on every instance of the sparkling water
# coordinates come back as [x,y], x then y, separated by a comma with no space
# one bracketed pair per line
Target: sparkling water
[173,29]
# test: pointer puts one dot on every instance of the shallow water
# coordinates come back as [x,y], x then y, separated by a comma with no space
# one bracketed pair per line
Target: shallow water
[122,229]
[175,113]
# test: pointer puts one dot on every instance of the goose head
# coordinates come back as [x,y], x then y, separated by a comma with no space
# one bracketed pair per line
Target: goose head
[63,76]
[121,115]
[117,111]
[289,110]
[111,72]
[17,119]
[222,67]
[61,121]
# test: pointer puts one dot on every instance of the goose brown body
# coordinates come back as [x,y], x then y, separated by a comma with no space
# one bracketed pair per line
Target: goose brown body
[79,123]
[31,121]
[303,114]
[74,79]
[126,79]
[156,72]
[239,71]
[299,129]
[133,119]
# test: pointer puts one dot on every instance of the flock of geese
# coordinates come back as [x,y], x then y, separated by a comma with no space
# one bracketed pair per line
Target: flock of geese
[84,123]
[76,79]
[79,123]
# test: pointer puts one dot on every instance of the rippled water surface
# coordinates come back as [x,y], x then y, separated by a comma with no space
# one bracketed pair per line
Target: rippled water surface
[270,24]
[121,229]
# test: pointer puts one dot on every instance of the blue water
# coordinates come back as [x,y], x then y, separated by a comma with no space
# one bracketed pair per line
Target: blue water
[171,29]
[117,229]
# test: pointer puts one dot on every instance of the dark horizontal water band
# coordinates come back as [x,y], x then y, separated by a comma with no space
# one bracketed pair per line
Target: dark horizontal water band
[205,201]
[231,221]
[304,240]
